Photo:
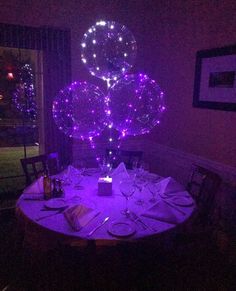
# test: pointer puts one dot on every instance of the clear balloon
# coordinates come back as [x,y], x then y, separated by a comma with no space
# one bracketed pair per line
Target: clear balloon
[24,97]
[80,110]
[136,104]
[108,49]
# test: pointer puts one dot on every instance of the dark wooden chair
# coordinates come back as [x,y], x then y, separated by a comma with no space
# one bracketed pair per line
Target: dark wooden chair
[203,186]
[34,167]
[128,157]
[197,232]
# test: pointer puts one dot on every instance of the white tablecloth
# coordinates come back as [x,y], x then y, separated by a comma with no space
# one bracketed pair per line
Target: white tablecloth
[107,205]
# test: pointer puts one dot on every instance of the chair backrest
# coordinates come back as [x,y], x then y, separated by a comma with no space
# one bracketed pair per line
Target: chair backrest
[34,167]
[128,157]
[203,186]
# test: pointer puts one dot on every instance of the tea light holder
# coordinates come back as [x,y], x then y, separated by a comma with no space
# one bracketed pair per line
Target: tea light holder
[105,186]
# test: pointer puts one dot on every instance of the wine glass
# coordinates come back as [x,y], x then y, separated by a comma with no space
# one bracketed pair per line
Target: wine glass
[106,167]
[78,179]
[135,165]
[127,189]
[66,176]
[143,169]
[80,165]
[139,168]
[153,188]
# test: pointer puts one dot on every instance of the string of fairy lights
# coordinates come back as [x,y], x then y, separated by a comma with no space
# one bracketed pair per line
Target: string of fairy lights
[133,103]
[24,95]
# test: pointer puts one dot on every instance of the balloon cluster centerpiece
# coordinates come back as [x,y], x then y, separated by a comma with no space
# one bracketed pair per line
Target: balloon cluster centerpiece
[133,103]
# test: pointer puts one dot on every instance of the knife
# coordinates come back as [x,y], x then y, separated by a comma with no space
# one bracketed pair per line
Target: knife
[97,227]
[52,214]
[137,218]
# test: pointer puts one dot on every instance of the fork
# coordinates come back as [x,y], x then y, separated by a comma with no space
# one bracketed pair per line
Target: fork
[138,219]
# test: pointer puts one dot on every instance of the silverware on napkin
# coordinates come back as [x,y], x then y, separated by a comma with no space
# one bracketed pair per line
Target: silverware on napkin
[52,214]
[136,218]
[97,227]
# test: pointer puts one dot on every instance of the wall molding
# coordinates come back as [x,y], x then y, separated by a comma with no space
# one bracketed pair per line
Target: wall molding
[164,160]
[179,162]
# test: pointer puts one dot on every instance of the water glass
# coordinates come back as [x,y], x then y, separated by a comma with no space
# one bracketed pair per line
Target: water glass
[79,165]
[105,167]
[154,189]
[127,189]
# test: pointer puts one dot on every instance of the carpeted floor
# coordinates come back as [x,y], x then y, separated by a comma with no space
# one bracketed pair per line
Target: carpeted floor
[124,268]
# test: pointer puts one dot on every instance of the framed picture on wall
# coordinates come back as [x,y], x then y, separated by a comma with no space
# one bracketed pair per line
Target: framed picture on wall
[215,79]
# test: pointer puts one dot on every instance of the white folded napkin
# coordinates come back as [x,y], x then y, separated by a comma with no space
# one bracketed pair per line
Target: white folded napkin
[120,171]
[181,198]
[169,186]
[35,190]
[163,212]
[79,215]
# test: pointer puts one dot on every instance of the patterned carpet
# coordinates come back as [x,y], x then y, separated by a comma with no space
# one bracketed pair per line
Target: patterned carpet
[123,268]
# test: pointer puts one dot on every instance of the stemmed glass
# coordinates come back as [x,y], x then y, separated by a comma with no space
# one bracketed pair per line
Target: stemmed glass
[153,188]
[65,176]
[80,166]
[127,189]
[106,167]
[143,169]
[140,169]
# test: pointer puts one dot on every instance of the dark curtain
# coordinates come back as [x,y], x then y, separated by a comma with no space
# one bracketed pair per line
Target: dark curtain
[55,44]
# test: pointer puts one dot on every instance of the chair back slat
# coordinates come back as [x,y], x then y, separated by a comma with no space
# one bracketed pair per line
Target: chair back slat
[34,167]
[126,156]
[203,186]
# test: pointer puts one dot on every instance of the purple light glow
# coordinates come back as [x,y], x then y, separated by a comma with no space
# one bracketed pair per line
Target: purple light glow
[108,50]
[79,110]
[136,104]
[24,96]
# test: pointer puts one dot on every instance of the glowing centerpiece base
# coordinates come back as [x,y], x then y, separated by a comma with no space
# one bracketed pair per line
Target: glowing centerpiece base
[105,186]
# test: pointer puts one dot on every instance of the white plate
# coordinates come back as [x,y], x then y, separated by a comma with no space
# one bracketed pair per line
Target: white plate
[56,203]
[121,228]
[182,201]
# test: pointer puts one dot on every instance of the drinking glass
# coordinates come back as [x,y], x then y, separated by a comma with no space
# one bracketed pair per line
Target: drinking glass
[153,188]
[65,176]
[106,167]
[140,169]
[127,189]
[78,179]
[135,165]
[80,165]
[143,169]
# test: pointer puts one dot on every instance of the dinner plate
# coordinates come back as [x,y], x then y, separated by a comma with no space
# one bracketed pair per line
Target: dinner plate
[121,228]
[56,203]
[182,201]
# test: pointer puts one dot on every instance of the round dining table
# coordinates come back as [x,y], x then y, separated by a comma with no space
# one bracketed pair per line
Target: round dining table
[45,225]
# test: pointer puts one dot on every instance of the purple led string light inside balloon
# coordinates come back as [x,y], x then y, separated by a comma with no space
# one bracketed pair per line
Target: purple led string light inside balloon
[24,96]
[78,110]
[134,103]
